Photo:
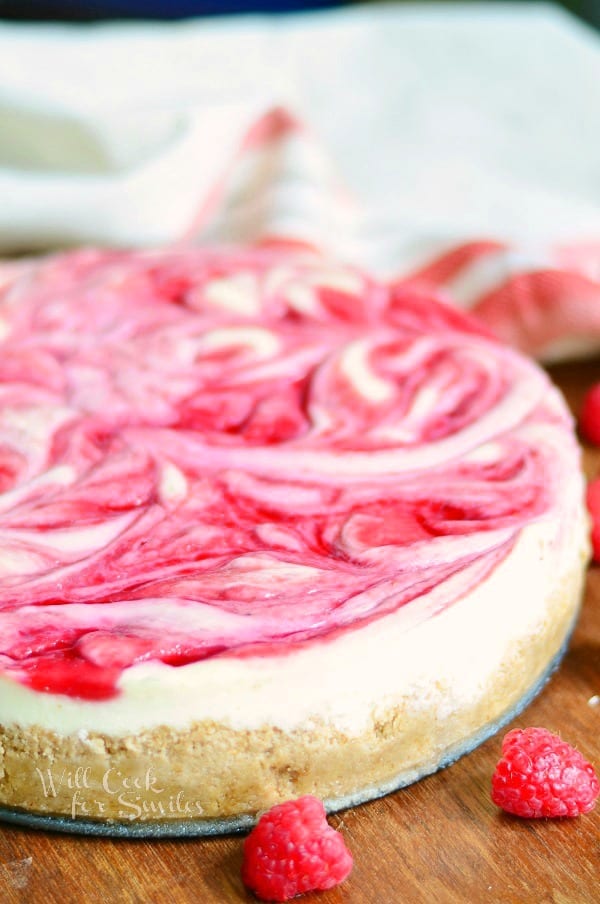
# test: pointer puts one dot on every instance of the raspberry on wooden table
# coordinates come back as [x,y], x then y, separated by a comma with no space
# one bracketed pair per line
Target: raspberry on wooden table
[539,774]
[593,504]
[292,849]
[590,415]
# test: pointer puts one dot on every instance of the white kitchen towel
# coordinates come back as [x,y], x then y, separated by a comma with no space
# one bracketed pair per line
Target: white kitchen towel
[453,146]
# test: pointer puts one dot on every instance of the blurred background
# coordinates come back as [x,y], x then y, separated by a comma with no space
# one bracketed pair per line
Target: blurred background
[588,10]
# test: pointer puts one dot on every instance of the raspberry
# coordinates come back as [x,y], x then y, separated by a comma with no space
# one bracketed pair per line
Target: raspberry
[590,415]
[541,775]
[593,504]
[292,849]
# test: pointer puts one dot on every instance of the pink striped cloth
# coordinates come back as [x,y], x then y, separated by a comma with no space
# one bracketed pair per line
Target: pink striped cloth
[280,187]
[469,134]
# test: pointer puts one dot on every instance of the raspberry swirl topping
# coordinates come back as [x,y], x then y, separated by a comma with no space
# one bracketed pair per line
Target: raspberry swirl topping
[219,453]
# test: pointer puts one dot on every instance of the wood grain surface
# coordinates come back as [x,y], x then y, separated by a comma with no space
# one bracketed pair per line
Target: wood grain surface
[441,840]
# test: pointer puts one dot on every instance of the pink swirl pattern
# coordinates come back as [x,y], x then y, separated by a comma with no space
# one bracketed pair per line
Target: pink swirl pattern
[233,453]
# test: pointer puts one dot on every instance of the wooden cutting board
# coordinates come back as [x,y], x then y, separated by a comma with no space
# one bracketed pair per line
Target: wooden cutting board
[441,840]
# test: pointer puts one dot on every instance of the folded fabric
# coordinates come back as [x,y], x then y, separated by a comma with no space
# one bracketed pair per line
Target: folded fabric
[453,147]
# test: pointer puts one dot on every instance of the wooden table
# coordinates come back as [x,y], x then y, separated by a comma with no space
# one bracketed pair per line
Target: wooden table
[441,840]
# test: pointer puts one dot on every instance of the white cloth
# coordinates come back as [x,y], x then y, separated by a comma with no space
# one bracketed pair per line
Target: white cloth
[425,127]
[446,122]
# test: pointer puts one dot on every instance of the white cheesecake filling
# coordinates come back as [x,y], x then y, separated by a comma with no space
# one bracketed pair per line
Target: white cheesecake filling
[428,661]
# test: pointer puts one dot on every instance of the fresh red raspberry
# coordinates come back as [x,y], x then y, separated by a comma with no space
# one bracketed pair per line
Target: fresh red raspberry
[590,415]
[292,849]
[593,504]
[541,775]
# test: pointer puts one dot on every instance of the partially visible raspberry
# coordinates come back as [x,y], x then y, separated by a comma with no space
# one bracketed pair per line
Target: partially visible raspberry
[292,849]
[541,775]
[593,504]
[590,415]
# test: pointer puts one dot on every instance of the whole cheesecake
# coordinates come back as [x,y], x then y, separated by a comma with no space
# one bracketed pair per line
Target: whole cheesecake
[267,527]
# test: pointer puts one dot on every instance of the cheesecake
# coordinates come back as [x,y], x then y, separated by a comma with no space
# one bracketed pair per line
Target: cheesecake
[268,527]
